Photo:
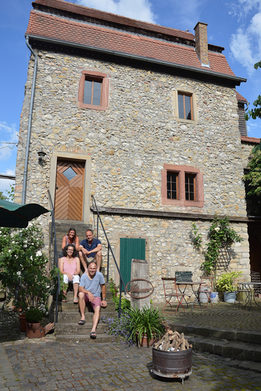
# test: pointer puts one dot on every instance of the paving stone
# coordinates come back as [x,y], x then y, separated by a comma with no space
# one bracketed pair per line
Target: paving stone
[119,367]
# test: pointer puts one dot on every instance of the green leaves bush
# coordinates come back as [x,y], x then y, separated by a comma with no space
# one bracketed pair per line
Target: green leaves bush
[23,266]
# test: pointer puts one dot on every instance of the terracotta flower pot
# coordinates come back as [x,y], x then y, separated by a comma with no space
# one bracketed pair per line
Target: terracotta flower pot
[34,330]
[145,342]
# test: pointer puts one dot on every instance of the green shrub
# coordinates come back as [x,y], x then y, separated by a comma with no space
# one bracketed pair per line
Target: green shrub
[226,282]
[34,315]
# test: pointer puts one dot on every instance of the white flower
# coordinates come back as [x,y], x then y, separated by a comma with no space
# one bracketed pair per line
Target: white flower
[217,229]
[38,253]
[19,274]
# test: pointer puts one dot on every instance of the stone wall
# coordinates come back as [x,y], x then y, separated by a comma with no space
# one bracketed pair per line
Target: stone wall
[130,142]
[169,247]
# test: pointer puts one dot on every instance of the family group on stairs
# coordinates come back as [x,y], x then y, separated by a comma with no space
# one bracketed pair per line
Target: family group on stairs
[84,258]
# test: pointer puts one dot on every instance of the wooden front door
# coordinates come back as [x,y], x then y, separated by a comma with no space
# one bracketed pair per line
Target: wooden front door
[69,190]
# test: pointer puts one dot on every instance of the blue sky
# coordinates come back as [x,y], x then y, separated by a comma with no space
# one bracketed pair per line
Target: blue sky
[235,25]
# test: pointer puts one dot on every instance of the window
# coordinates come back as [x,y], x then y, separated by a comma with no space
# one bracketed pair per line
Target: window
[182,186]
[93,91]
[172,185]
[190,187]
[185,105]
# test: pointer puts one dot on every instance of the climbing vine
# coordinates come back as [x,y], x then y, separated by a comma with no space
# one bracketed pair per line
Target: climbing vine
[220,235]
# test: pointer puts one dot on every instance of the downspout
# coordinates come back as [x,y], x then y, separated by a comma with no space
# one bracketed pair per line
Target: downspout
[29,122]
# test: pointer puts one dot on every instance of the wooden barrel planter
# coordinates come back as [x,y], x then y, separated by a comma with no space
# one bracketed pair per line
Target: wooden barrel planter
[172,364]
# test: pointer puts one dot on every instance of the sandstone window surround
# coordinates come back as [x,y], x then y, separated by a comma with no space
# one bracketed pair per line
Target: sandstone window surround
[181,186]
[185,107]
[93,90]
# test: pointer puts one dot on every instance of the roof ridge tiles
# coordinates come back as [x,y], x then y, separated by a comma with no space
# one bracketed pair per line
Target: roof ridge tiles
[106,29]
[113,18]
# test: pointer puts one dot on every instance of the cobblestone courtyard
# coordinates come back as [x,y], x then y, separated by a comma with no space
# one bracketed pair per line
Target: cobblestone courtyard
[49,366]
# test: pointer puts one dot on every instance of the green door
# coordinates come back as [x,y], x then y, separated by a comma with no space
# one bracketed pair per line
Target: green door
[130,249]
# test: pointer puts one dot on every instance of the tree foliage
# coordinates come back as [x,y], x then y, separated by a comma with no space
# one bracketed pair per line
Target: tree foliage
[253,177]
[2,196]
[256,111]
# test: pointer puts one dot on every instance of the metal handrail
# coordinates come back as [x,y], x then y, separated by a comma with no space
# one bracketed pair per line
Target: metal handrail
[122,285]
[53,239]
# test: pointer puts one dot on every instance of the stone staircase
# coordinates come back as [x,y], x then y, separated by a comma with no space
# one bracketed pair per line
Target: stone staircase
[68,330]
[239,345]
[61,228]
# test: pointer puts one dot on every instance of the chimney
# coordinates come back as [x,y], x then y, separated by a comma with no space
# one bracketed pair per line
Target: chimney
[201,41]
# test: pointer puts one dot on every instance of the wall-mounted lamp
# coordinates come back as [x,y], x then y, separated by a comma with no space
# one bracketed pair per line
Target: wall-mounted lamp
[41,157]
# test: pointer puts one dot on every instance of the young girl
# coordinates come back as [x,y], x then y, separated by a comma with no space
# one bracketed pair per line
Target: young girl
[69,266]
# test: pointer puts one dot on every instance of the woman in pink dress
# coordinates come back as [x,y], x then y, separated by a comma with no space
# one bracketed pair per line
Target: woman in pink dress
[69,266]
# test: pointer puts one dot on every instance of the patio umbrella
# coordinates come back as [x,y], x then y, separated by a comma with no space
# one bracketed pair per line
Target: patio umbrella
[18,215]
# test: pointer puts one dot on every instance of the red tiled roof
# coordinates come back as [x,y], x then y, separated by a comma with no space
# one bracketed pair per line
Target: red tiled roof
[56,27]
[250,140]
[112,18]
[240,98]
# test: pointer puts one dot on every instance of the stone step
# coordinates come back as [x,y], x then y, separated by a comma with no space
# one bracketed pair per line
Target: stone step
[75,328]
[231,335]
[70,306]
[233,349]
[74,316]
[78,338]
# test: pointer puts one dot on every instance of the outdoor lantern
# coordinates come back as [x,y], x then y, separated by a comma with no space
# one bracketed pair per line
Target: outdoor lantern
[41,157]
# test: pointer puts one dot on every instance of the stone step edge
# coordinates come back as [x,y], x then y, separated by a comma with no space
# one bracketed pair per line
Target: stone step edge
[67,314]
[73,325]
[240,351]
[253,337]
[81,337]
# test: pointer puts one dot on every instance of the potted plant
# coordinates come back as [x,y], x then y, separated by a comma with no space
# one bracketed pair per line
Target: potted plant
[145,325]
[226,284]
[33,326]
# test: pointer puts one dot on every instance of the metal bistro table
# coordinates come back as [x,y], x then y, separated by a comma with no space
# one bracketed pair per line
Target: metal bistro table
[184,286]
[249,289]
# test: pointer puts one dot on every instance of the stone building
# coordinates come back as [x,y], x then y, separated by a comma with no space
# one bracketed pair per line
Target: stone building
[147,120]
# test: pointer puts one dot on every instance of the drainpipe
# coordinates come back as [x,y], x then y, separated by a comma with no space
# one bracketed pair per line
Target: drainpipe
[29,122]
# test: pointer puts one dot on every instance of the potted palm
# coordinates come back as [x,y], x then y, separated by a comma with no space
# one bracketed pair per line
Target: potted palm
[145,325]
[226,284]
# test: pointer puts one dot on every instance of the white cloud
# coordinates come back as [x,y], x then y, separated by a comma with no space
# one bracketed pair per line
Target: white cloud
[246,42]
[8,134]
[135,9]
[241,49]
[241,8]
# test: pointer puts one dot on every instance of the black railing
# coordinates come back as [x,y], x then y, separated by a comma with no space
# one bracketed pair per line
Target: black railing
[109,251]
[55,257]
